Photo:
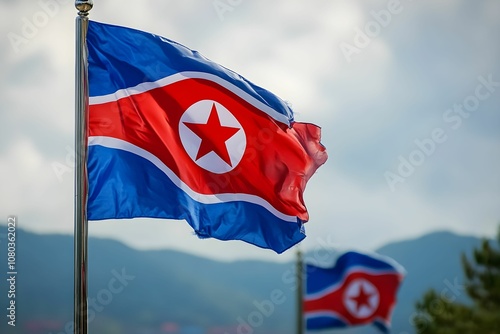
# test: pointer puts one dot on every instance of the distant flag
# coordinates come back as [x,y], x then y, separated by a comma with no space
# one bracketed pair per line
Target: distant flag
[359,289]
[175,135]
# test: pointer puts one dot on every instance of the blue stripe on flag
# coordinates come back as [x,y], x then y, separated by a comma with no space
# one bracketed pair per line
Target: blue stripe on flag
[124,185]
[144,57]
[322,322]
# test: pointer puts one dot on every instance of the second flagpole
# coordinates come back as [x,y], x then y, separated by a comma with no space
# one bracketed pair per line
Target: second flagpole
[81,183]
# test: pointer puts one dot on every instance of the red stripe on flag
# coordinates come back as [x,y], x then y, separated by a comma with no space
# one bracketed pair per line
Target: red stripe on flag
[276,163]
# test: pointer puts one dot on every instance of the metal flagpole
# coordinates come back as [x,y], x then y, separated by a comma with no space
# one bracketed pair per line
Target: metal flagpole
[300,293]
[81,118]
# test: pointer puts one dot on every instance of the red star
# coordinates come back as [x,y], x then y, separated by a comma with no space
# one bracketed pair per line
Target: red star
[213,136]
[362,298]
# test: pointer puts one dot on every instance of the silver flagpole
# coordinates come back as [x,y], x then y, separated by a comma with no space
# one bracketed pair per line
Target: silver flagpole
[300,293]
[81,118]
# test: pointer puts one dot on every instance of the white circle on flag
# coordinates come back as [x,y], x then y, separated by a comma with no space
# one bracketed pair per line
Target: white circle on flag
[200,114]
[361,298]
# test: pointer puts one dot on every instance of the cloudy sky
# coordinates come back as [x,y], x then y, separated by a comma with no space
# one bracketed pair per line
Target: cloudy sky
[407,94]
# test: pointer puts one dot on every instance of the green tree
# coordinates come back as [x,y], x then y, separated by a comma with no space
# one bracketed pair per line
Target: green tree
[442,314]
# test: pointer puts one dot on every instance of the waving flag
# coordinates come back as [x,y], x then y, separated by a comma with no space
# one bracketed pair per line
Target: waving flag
[359,289]
[174,135]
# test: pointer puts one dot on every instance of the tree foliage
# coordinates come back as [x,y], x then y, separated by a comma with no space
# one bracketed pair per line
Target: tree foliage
[440,313]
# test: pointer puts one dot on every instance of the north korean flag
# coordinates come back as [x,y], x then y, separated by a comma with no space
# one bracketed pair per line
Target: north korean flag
[175,135]
[359,289]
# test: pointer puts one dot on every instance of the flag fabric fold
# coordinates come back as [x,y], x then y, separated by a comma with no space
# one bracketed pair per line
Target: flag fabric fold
[175,135]
[359,289]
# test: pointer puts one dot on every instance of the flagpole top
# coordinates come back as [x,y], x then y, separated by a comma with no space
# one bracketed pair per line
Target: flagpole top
[84,6]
